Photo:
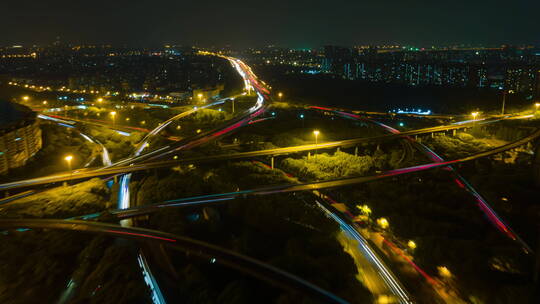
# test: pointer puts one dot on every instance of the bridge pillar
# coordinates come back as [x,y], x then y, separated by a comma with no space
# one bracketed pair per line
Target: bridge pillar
[338,149]
[454,132]
[355,151]
[432,134]
[308,155]
[115,179]
[272,162]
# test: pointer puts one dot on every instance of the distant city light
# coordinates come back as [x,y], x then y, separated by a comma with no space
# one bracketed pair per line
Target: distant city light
[412,111]
[383,223]
[444,272]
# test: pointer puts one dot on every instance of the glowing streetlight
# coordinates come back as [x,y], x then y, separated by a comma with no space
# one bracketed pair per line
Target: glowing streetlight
[536,105]
[68,159]
[383,223]
[474,114]
[113,114]
[444,272]
[364,209]
[26,98]
[100,100]
[44,102]
[411,244]
[280,95]
[316,133]
[504,99]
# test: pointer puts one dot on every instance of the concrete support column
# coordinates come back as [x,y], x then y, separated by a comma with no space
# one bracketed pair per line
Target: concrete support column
[272,162]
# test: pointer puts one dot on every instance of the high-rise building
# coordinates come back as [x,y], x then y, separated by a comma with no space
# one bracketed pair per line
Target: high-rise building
[20,136]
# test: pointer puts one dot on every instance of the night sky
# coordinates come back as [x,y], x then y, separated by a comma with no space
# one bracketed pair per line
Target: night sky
[293,23]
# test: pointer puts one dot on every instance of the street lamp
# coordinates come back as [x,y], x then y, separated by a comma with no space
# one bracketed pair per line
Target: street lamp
[411,244]
[68,159]
[504,99]
[25,98]
[444,272]
[474,114]
[113,114]
[364,209]
[316,133]
[383,223]
[537,105]
[280,95]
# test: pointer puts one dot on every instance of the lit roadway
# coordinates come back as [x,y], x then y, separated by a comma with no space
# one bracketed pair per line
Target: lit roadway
[126,166]
[284,188]
[213,253]
[124,189]
[484,206]
[136,163]
[124,193]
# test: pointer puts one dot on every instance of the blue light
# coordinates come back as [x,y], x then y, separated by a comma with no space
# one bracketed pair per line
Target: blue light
[273,113]
[401,124]
[301,116]
[407,111]
[122,133]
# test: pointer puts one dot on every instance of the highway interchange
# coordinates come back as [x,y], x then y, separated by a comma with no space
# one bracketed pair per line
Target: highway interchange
[140,161]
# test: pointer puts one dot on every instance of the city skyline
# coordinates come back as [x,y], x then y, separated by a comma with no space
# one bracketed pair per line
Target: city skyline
[287,152]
